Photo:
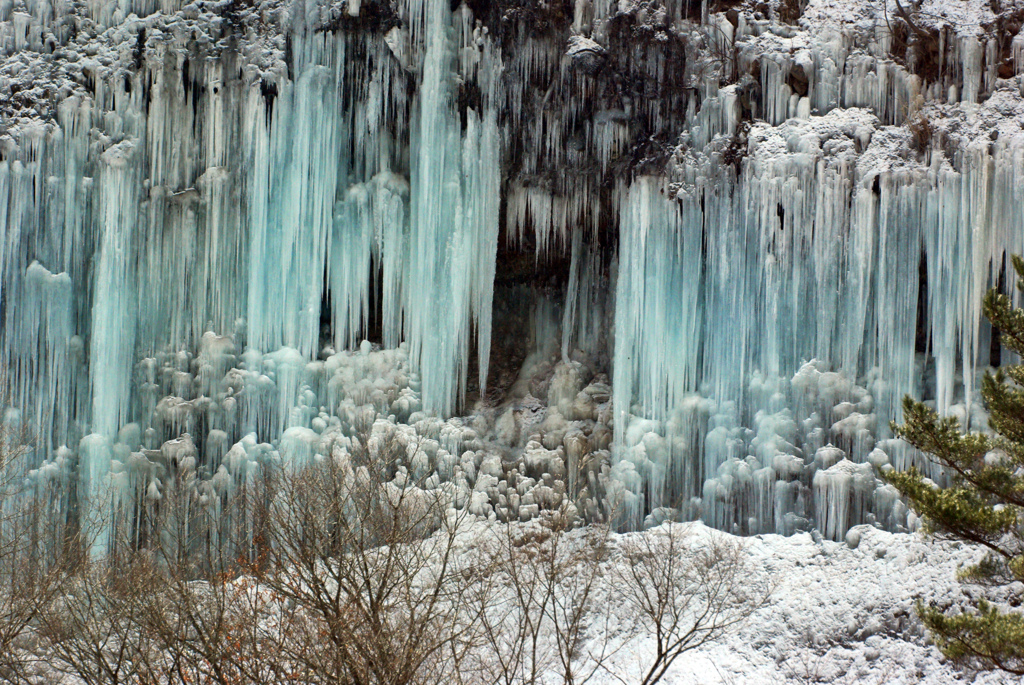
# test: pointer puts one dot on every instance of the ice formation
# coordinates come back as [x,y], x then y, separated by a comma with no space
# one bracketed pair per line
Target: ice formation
[763,229]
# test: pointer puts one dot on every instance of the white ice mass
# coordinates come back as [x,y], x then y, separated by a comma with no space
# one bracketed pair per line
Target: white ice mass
[764,233]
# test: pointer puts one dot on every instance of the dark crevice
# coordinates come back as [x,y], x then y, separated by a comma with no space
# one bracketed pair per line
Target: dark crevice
[922,335]
[995,348]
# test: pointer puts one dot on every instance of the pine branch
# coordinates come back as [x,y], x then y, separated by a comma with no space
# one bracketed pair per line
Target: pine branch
[983,503]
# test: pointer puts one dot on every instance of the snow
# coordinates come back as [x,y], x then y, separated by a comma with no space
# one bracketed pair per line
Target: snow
[836,614]
[840,612]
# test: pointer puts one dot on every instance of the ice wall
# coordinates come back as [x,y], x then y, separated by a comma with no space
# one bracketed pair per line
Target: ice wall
[204,192]
[770,230]
[802,326]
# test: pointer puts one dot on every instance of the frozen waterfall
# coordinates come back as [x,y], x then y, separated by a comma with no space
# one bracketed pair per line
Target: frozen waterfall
[719,247]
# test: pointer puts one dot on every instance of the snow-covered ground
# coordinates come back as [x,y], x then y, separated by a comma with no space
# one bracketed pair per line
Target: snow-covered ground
[838,614]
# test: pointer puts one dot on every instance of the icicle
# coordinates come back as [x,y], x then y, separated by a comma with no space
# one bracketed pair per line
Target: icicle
[292,205]
[843,491]
[453,231]
[112,340]
[658,315]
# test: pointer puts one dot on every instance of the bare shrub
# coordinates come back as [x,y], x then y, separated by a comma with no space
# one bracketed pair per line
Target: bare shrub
[366,558]
[711,53]
[573,575]
[214,631]
[535,612]
[684,592]
[210,620]
[348,570]
[92,627]
[815,666]
[33,560]
[920,131]
[166,603]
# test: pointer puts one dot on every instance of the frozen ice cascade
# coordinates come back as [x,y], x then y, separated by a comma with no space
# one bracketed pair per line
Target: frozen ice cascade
[717,242]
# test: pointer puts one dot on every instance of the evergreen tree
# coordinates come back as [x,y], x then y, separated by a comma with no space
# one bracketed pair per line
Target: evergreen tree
[984,500]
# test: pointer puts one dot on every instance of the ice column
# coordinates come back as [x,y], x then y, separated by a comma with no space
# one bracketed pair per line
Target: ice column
[291,202]
[112,340]
[41,336]
[455,186]
[658,319]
